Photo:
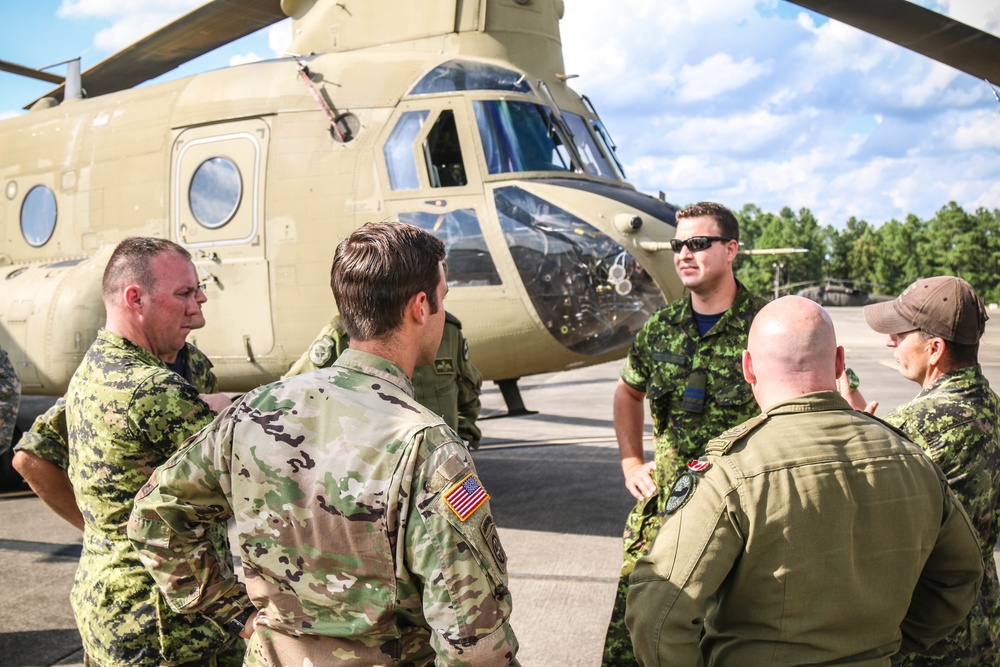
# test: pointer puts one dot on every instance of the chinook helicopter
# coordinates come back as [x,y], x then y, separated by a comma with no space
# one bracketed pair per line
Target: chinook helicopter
[454,115]
[451,115]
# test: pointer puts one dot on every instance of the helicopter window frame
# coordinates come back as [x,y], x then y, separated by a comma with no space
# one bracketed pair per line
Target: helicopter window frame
[594,161]
[37,217]
[610,149]
[468,255]
[215,197]
[246,148]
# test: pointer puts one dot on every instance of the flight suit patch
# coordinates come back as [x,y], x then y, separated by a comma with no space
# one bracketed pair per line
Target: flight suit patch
[321,351]
[669,357]
[489,531]
[701,465]
[444,366]
[681,493]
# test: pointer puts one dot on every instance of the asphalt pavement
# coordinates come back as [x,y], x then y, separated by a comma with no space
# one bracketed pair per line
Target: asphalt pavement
[557,496]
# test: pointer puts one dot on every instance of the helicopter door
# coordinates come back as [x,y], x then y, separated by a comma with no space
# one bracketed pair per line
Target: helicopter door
[217,199]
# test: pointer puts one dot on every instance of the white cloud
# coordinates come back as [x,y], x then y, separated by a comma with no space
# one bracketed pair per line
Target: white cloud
[716,75]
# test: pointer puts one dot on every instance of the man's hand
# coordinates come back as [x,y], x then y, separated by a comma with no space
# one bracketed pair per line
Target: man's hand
[852,395]
[638,480]
[218,402]
[248,628]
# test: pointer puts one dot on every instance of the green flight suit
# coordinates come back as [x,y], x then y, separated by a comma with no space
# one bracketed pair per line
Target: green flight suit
[126,413]
[955,420]
[812,534]
[449,387]
[366,536]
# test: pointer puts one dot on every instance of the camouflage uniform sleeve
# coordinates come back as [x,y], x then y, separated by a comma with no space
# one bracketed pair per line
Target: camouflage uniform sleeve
[48,437]
[170,521]
[10,399]
[470,383]
[200,369]
[635,373]
[460,561]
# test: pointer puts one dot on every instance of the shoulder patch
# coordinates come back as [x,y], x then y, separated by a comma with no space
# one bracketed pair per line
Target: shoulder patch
[680,493]
[466,497]
[724,441]
[338,324]
[321,352]
[701,465]
[444,366]
[489,532]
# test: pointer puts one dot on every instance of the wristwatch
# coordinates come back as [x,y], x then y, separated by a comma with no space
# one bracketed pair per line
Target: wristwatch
[237,624]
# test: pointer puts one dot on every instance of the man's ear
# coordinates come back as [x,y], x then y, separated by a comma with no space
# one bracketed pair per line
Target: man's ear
[748,373]
[937,349]
[133,297]
[418,307]
[840,363]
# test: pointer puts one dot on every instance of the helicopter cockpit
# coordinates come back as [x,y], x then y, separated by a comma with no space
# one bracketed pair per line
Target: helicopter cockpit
[535,162]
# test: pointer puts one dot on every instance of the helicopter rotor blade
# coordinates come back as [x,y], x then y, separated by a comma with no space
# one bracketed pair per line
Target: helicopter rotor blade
[198,32]
[922,30]
[14,68]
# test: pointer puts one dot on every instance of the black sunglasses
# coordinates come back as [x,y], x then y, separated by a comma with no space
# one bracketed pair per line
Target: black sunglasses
[697,243]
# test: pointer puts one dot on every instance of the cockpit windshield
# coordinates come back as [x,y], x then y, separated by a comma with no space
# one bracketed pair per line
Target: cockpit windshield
[592,295]
[519,136]
[593,160]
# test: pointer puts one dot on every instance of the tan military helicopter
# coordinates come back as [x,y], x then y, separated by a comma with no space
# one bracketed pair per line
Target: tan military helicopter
[454,115]
[451,115]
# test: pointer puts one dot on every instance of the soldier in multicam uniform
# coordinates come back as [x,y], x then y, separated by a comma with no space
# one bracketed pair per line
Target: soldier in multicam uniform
[686,360]
[935,327]
[811,534]
[449,387]
[365,532]
[10,400]
[126,413]
[42,455]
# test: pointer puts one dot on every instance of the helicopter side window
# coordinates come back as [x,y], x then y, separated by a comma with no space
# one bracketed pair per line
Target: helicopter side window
[468,257]
[593,160]
[519,136]
[38,215]
[399,158]
[215,193]
[456,75]
[444,153]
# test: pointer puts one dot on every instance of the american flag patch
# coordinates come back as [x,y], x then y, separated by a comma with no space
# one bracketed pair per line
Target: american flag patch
[466,496]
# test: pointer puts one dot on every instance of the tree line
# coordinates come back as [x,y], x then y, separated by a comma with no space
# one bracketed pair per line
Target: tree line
[882,259]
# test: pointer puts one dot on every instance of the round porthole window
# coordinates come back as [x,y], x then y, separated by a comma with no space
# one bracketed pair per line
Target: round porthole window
[38,215]
[216,190]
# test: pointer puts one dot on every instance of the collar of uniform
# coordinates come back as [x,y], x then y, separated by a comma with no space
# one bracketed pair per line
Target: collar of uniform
[380,367]
[969,374]
[732,317]
[124,343]
[817,401]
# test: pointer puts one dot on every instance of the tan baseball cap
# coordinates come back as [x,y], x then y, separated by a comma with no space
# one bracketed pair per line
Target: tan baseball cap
[943,306]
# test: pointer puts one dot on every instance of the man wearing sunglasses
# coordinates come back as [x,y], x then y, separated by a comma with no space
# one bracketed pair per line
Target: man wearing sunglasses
[686,360]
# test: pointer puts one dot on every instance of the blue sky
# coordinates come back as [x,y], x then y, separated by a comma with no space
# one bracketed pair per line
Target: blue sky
[738,101]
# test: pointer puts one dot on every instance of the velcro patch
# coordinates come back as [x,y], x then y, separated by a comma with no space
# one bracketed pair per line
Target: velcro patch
[701,465]
[489,531]
[466,497]
[681,493]
[444,366]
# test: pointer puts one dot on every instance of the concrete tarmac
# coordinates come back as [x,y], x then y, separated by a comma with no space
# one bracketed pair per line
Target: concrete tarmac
[557,495]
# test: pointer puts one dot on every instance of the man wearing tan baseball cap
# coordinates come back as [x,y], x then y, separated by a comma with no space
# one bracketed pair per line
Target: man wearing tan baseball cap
[934,328]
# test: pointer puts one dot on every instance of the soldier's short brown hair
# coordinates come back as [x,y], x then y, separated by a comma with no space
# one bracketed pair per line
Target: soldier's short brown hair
[377,270]
[729,227]
[130,262]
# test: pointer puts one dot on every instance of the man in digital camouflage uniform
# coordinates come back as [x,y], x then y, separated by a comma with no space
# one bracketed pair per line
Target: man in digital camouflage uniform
[42,455]
[126,413]
[365,532]
[686,360]
[448,387]
[810,534]
[10,401]
[934,328]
